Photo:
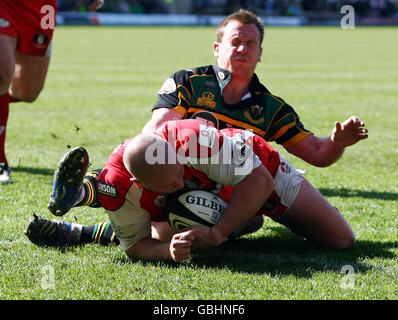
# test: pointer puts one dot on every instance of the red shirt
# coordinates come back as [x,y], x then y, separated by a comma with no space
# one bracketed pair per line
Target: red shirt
[193,141]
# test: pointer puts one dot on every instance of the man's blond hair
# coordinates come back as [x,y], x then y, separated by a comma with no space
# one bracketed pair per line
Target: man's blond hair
[243,16]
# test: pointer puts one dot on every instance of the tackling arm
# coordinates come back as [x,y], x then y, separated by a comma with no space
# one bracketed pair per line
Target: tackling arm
[247,198]
[323,152]
[178,249]
[159,116]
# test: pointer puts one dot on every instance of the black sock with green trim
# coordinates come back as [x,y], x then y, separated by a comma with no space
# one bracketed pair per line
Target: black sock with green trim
[100,233]
[90,190]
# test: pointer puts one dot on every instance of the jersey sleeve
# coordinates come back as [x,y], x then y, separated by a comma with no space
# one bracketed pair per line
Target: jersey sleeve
[223,159]
[175,93]
[234,161]
[130,223]
[286,127]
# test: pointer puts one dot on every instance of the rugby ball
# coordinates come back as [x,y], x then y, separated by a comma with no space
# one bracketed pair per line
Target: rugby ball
[193,208]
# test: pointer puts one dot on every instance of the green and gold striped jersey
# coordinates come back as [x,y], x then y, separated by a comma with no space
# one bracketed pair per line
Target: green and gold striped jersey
[197,93]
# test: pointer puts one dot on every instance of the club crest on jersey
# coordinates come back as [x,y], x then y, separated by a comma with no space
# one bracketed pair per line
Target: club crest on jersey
[107,189]
[206,100]
[254,115]
[256,111]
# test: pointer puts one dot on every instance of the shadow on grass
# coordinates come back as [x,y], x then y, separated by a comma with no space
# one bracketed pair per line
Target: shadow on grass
[350,193]
[39,171]
[283,254]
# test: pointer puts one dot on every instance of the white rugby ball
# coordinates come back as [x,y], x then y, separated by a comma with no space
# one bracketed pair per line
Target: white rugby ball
[193,208]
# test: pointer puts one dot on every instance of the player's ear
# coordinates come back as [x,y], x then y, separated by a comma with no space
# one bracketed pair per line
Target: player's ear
[216,48]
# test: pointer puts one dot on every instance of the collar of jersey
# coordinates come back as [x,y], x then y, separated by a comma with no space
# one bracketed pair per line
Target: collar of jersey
[224,77]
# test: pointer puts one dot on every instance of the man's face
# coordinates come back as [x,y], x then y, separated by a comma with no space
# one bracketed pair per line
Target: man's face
[239,49]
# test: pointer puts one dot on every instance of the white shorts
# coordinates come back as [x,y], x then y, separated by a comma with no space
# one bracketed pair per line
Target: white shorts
[287,183]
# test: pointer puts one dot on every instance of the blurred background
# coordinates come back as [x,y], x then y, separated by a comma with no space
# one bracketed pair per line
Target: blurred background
[278,12]
[363,8]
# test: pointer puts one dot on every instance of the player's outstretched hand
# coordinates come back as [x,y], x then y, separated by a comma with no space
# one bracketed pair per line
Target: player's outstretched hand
[180,245]
[349,132]
[95,5]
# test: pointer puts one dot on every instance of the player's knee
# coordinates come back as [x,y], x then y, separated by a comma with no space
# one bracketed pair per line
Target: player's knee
[345,241]
[253,225]
[346,238]
[26,95]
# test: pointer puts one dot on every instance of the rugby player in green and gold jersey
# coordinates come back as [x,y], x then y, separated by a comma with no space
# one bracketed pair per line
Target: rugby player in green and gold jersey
[230,94]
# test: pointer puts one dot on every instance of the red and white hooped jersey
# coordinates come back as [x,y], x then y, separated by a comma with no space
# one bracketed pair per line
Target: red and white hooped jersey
[214,160]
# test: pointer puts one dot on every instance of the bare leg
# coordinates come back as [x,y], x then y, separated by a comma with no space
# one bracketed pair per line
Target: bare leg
[29,76]
[313,217]
[7,62]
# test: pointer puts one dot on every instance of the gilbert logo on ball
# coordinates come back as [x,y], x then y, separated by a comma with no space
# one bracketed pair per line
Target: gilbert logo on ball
[193,208]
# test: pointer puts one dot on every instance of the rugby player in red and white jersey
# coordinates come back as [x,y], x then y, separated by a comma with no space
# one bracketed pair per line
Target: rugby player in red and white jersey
[242,168]
[26,31]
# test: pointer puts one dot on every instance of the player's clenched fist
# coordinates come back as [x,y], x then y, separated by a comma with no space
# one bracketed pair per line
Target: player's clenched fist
[180,245]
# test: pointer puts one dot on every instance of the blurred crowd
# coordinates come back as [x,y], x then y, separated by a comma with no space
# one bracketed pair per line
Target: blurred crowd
[365,8]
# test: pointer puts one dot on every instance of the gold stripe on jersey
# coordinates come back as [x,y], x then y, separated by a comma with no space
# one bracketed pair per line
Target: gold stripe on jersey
[231,121]
[297,138]
[179,107]
[194,76]
[179,92]
[282,131]
[275,97]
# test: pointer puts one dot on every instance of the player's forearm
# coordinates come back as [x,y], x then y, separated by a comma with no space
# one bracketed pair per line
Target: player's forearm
[150,249]
[247,198]
[160,116]
[326,153]
[320,152]
[151,125]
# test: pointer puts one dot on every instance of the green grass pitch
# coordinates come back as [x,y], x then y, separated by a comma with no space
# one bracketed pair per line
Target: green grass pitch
[100,89]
